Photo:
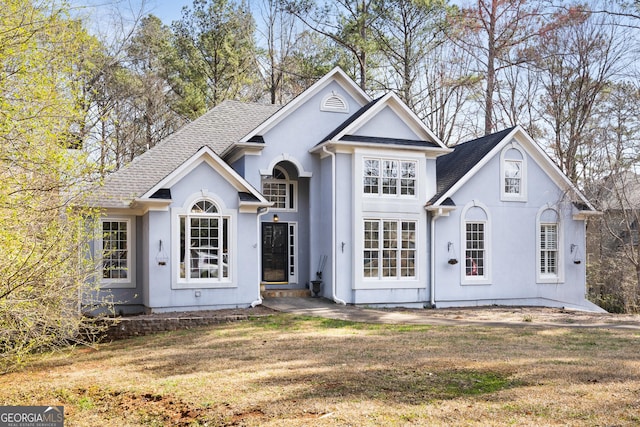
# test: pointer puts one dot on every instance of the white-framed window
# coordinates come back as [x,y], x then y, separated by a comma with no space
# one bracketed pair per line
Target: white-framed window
[293,244]
[549,249]
[280,190]
[389,177]
[513,177]
[476,235]
[204,254]
[115,252]
[475,249]
[389,249]
[513,173]
[549,246]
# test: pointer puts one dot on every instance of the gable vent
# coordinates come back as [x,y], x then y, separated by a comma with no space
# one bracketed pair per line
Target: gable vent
[335,103]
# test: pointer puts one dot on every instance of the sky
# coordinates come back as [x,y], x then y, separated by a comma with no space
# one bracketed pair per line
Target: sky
[110,19]
[168,10]
[99,10]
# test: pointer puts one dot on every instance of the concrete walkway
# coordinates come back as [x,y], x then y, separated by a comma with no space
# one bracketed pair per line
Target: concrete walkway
[321,307]
[481,316]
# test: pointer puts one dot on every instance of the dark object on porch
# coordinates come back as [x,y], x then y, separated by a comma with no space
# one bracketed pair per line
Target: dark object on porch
[316,285]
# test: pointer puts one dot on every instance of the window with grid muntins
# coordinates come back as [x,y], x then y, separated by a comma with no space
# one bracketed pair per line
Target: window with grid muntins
[371,176]
[475,249]
[408,252]
[277,193]
[389,249]
[204,243]
[292,249]
[389,177]
[408,178]
[115,253]
[280,190]
[512,176]
[371,248]
[549,249]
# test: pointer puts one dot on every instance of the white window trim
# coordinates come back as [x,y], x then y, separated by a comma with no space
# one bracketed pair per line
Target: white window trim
[511,197]
[559,276]
[398,195]
[293,251]
[129,282]
[399,278]
[486,278]
[289,183]
[178,282]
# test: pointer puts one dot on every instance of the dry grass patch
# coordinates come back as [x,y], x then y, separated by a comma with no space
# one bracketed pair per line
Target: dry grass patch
[292,371]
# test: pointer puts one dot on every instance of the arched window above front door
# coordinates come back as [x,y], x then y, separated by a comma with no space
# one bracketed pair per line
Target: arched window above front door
[281,190]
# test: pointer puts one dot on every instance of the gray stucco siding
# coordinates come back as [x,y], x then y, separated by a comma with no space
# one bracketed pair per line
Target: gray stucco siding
[511,240]
[387,124]
[301,130]
[346,185]
[127,297]
[166,290]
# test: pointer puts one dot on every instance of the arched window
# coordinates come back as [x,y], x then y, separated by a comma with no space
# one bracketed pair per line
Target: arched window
[204,242]
[549,244]
[280,190]
[476,234]
[513,173]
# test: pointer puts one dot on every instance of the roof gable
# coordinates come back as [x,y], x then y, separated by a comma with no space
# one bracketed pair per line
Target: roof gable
[206,155]
[357,128]
[457,168]
[450,169]
[335,75]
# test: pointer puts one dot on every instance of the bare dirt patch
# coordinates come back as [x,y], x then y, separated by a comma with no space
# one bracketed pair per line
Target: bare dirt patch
[532,315]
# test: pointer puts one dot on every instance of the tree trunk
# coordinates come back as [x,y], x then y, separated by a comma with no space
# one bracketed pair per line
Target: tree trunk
[491,71]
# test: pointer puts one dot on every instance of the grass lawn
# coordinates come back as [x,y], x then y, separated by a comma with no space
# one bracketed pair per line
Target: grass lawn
[284,370]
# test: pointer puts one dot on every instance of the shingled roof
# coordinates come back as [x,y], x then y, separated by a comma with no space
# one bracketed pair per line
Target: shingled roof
[350,120]
[451,167]
[219,128]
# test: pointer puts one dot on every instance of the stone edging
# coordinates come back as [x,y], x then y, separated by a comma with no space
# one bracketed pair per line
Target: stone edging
[127,327]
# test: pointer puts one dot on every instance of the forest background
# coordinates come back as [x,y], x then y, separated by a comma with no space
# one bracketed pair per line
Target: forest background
[85,90]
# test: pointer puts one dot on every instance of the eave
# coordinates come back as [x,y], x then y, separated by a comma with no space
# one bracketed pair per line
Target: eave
[350,146]
[240,149]
[586,214]
[144,205]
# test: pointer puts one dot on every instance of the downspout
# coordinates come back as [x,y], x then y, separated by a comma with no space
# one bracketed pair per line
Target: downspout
[333,227]
[432,294]
[261,211]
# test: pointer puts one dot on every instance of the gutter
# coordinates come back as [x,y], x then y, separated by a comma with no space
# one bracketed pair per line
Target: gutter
[261,211]
[333,227]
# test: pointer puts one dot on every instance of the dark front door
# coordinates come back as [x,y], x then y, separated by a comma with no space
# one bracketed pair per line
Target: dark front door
[274,252]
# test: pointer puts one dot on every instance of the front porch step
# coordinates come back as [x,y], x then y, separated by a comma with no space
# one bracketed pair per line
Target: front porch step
[286,293]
